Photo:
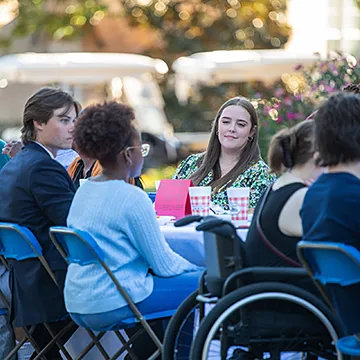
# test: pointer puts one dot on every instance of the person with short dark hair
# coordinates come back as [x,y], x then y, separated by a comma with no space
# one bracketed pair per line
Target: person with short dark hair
[291,154]
[349,88]
[330,211]
[36,192]
[232,157]
[122,220]
[352,88]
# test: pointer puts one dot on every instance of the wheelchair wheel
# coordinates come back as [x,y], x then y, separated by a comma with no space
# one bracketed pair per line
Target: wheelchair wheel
[268,321]
[181,329]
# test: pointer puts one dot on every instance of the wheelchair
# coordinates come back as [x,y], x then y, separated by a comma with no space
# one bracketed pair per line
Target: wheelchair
[242,312]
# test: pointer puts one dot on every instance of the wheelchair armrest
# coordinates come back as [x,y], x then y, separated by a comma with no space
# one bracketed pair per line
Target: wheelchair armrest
[271,274]
[187,220]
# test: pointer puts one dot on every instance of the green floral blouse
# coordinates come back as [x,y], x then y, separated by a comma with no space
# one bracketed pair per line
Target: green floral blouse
[256,177]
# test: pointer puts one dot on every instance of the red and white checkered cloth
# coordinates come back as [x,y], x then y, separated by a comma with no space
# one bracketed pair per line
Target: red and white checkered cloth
[200,205]
[242,204]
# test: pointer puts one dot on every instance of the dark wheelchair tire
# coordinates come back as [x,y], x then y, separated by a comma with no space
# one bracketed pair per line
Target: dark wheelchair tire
[212,322]
[174,328]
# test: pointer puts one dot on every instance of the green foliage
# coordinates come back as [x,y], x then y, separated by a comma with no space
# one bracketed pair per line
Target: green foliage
[56,19]
[188,26]
[151,175]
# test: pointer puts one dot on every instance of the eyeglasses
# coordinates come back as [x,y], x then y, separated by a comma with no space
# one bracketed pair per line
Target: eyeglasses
[144,148]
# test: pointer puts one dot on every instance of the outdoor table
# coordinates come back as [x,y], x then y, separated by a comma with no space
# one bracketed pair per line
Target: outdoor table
[188,242]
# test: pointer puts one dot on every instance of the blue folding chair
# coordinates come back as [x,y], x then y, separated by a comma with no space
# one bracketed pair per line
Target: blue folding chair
[19,243]
[329,264]
[79,247]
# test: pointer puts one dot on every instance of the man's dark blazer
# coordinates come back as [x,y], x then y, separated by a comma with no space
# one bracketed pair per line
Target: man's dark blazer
[36,192]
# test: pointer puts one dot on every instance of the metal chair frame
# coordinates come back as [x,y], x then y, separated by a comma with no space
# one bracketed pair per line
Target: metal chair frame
[37,251]
[97,257]
[240,276]
[321,283]
[302,245]
[27,332]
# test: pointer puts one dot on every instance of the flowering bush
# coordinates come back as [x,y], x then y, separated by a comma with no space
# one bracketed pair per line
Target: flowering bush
[295,97]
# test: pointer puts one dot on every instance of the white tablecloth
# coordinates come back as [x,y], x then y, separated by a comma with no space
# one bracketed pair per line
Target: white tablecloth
[188,242]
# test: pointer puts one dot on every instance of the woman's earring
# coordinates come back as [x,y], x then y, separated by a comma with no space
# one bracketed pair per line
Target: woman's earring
[217,133]
[250,138]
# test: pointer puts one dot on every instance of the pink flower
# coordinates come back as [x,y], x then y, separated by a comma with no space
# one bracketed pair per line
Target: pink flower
[290,116]
[298,67]
[288,101]
[279,92]
[329,89]
[280,119]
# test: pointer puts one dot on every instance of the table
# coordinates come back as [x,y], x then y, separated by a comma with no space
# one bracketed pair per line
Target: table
[188,242]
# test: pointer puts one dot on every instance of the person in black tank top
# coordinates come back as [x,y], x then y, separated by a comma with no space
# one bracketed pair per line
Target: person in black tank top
[291,154]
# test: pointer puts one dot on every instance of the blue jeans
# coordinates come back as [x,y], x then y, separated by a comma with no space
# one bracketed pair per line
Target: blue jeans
[168,294]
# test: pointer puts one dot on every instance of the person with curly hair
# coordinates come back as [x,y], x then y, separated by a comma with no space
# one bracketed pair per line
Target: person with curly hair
[122,220]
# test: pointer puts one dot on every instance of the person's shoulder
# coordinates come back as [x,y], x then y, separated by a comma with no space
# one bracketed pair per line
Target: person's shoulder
[297,198]
[259,169]
[260,166]
[73,166]
[129,192]
[193,158]
[188,166]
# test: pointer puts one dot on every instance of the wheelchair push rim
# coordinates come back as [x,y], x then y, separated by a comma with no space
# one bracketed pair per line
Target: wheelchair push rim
[233,304]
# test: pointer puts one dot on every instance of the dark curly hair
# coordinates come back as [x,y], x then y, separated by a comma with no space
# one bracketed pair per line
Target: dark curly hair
[337,129]
[103,130]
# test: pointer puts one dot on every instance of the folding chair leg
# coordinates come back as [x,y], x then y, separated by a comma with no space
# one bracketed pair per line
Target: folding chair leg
[151,333]
[125,346]
[28,337]
[95,342]
[56,339]
[155,355]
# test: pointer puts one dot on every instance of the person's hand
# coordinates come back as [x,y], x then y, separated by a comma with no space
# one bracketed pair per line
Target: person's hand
[12,148]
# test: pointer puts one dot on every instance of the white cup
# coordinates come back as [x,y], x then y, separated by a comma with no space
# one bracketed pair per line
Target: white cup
[157,184]
[239,205]
[200,200]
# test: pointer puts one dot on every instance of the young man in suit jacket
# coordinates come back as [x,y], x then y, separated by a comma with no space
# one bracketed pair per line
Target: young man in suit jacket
[36,192]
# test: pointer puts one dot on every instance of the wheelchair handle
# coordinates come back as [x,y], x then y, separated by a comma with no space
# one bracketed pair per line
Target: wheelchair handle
[213,224]
[187,220]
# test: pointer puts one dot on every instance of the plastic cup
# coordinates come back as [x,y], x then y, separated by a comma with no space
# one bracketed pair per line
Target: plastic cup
[239,205]
[200,200]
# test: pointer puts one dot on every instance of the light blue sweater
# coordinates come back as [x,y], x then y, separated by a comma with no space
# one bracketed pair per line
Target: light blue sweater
[122,220]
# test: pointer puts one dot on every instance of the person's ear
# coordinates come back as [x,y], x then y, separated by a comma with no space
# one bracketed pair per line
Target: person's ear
[38,126]
[127,156]
[253,131]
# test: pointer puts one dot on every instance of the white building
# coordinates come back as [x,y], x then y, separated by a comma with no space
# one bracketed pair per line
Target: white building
[325,25]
